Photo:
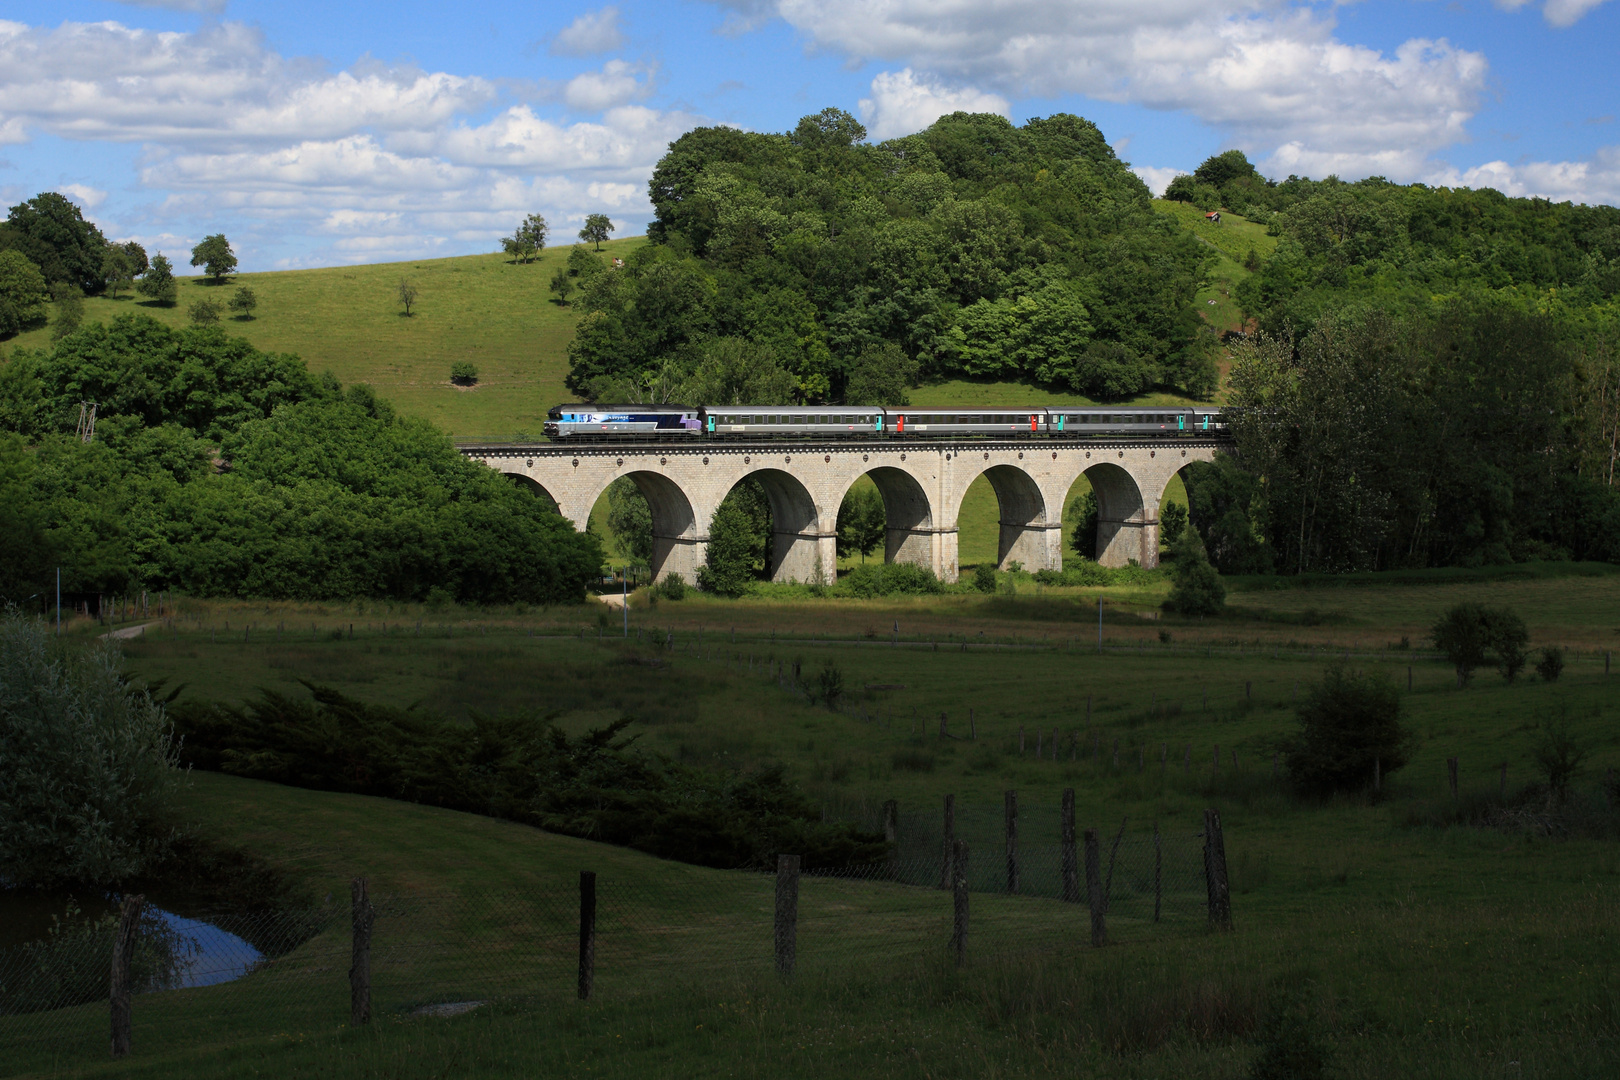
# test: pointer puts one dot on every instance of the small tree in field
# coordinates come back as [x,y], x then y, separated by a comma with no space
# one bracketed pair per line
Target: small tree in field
[157,284]
[463,373]
[1349,724]
[728,565]
[215,256]
[527,240]
[1172,522]
[407,295]
[862,524]
[205,312]
[597,227]
[243,301]
[1473,636]
[562,283]
[1197,587]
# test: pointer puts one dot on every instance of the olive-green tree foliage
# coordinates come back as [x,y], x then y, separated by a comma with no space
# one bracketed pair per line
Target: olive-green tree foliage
[973,247]
[596,229]
[214,255]
[1349,725]
[1084,511]
[23,293]
[739,542]
[527,240]
[243,302]
[563,284]
[205,312]
[881,375]
[158,284]
[69,304]
[1172,522]
[52,232]
[1473,635]
[223,470]
[630,518]
[117,270]
[862,522]
[86,792]
[1196,586]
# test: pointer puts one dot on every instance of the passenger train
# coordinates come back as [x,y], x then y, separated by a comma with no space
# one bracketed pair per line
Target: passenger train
[598,422]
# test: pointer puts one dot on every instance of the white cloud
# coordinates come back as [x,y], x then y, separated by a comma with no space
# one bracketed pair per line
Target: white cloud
[591,33]
[903,103]
[88,198]
[1559,13]
[1596,180]
[1267,72]
[615,84]
[1155,178]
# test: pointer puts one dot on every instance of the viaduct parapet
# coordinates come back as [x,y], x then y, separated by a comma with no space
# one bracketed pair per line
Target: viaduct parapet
[922,484]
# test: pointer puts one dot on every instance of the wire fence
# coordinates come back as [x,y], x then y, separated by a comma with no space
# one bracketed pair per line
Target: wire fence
[214,979]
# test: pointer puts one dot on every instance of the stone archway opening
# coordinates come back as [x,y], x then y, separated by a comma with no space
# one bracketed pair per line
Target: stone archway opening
[904,529]
[1022,532]
[1121,517]
[648,526]
[794,551]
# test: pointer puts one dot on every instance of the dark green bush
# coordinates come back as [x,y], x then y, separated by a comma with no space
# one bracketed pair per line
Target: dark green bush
[890,579]
[671,587]
[1551,664]
[1349,721]
[984,578]
[1197,587]
[1473,635]
[522,768]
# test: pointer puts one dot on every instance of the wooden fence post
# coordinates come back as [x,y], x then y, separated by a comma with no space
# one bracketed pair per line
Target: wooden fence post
[1094,897]
[1158,872]
[891,834]
[959,901]
[1071,871]
[1451,775]
[587,933]
[1220,897]
[123,957]
[787,914]
[1503,792]
[1011,807]
[361,917]
[947,849]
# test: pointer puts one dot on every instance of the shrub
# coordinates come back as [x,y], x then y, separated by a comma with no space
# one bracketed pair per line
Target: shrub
[1472,635]
[672,587]
[463,373]
[1172,522]
[205,312]
[1551,664]
[1196,588]
[984,578]
[1348,721]
[1559,755]
[243,301]
[830,685]
[1289,1049]
[891,579]
[88,763]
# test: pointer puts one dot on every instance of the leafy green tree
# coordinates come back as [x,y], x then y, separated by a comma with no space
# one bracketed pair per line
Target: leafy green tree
[243,301]
[1559,755]
[527,240]
[69,309]
[862,522]
[90,773]
[158,284]
[27,552]
[582,265]
[117,269]
[984,578]
[881,375]
[407,295]
[1196,586]
[1182,188]
[729,563]
[1172,522]
[562,284]
[1083,510]
[630,518]
[1473,635]
[1223,168]
[137,257]
[463,373]
[596,230]
[1349,725]
[53,234]
[214,255]
[205,312]
[733,371]
[22,290]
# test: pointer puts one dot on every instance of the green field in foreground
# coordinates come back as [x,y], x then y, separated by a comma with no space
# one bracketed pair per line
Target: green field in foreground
[1421,948]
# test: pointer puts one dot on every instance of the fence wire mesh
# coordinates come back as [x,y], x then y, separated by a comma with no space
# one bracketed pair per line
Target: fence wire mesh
[212,979]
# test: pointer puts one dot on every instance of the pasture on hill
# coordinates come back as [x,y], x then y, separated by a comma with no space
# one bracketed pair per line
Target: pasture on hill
[1413,940]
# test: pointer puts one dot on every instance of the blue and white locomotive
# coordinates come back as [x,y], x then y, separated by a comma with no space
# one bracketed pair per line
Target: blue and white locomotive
[658,422]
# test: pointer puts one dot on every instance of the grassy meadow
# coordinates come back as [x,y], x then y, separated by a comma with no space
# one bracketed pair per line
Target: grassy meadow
[1417,946]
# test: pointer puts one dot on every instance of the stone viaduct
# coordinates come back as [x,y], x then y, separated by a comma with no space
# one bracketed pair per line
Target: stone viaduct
[922,484]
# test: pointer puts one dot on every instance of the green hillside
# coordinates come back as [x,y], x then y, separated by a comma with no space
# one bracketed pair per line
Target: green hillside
[484,308]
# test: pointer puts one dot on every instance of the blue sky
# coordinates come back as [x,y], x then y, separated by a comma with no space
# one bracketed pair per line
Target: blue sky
[321,133]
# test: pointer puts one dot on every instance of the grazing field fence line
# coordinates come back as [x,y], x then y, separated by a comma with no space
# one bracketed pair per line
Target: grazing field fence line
[148,981]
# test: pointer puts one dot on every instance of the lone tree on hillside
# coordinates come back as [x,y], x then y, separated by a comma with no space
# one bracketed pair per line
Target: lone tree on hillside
[215,256]
[527,240]
[117,270]
[1349,728]
[407,295]
[1472,636]
[157,284]
[205,312]
[597,227]
[243,301]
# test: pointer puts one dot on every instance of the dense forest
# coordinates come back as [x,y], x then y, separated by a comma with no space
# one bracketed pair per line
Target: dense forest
[221,470]
[830,269]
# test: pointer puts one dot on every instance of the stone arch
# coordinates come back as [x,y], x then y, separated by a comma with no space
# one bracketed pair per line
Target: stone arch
[1025,534]
[1121,517]
[908,515]
[533,487]
[797,538]
[677,545]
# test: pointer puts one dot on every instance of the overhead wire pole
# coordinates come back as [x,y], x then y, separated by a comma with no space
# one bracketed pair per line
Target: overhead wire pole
[624,589]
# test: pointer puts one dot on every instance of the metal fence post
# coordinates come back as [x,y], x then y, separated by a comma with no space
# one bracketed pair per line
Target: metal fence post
[1158,873]
[1071,872]
[1094,896]
[361,918]
[1011,807]
[787,913]
[959,901]
[947,850]
[129,920]
[587,934]
[1220,897]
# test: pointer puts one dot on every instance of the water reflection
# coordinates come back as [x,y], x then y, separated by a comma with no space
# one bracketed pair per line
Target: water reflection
[212,955]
